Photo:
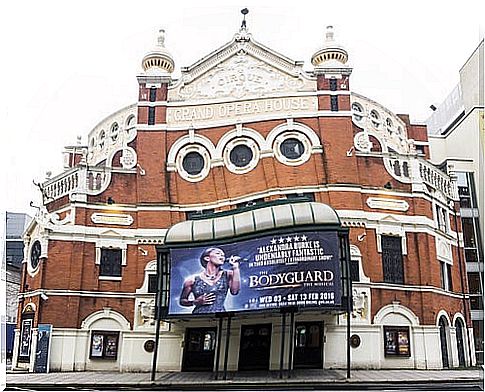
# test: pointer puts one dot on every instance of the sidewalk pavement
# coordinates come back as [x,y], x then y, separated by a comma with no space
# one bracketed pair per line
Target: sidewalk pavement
[190,380]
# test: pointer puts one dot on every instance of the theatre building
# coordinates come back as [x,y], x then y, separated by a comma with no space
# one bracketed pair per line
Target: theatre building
[284,220]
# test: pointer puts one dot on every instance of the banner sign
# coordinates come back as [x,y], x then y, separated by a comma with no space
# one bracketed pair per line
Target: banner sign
[43,347]
[299,269]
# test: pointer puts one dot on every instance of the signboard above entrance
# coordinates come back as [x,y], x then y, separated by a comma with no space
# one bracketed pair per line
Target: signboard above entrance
[300,269]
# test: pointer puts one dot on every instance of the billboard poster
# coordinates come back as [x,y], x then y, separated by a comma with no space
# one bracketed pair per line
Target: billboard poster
[25,336]
[298,269]
[43,346]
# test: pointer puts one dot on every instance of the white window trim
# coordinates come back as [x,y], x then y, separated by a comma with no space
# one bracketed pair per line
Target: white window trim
[246,141]
[205,169]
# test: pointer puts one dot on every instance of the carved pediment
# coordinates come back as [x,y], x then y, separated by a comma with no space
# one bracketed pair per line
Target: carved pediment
[242,68]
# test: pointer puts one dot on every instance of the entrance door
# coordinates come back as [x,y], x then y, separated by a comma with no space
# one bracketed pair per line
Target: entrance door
[255,346]
[460,343]
[444,347]
[308,345]
[200,344]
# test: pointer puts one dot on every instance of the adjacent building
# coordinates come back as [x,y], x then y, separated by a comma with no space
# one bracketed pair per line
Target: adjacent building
[245,191]
[456,130]
[16,224]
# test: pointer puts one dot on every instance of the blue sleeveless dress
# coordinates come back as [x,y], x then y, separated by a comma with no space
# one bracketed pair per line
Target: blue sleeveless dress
[220,288]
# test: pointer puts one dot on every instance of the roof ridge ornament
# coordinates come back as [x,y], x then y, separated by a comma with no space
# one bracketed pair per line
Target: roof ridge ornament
[244,11]
[161,38]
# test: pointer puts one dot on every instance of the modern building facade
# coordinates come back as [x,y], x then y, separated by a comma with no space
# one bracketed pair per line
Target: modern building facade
[456,145]
[246,146]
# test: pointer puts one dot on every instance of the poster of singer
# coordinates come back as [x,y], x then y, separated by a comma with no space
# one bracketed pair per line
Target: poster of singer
[297,269]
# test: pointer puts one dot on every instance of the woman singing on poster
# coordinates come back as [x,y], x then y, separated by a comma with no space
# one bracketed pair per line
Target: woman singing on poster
[207,290]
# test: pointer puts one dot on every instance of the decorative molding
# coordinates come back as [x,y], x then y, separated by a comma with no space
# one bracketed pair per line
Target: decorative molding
[395,308]
[387,204]
[443,249]
[111,219]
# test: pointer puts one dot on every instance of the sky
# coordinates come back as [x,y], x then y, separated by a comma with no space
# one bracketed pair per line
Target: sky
[69,64]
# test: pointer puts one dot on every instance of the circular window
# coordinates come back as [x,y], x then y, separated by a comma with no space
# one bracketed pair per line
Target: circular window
[358,112]
[130,122]
[35,255]
[389,124]
[102,136]
[114,131]
[241,155]
[292,148]
[375,118]
[193,163]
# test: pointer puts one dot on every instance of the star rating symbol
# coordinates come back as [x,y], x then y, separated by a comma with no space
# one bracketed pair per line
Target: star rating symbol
[273,241]
[288,239]
[281,240]
[296,238]
[303,237]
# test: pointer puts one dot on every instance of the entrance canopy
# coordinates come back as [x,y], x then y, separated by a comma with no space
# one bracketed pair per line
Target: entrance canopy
[233,224]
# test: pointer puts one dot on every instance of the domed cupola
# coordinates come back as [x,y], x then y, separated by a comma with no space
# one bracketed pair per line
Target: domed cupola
[158,61]
[331,54]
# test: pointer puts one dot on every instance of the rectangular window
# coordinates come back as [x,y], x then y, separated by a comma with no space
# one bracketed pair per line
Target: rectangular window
[308,196]
[354,270]
[110,262]
[151,116]
[152,283]
[334,103]
[392,260]
[476,302]
[104,345]
[153,94]
[396,341]
[445,273]
[474,284]
[198,213]
[250,203]
[14,252]
[466,190]
[333,84]
[165,264]
[441,218]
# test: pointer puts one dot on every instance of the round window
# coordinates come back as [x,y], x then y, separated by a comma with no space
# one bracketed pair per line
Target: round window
[193,163]
[35,254]
[292,148]
[114,131]
[241,155]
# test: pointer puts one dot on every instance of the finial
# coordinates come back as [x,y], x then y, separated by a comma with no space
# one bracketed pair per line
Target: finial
[161,37]
[329,33]
[244,11]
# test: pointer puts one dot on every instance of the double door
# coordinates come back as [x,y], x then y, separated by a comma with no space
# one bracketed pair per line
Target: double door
[199,349]
[255,346]
[308,345]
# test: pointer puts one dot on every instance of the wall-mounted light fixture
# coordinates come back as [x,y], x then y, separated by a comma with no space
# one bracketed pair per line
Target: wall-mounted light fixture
[144,252]
[350,151]
[142,171]
[361,237]
[388,185]
[110,200]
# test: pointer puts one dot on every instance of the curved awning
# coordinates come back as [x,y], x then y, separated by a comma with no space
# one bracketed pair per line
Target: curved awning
[256,220]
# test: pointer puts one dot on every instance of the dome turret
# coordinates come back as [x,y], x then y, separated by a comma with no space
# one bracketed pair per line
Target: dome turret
[159,60]
[331,54]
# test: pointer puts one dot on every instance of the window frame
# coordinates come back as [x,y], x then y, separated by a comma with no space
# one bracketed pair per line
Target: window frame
[397,344]
[102,271]
[104,355]
[389,267]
